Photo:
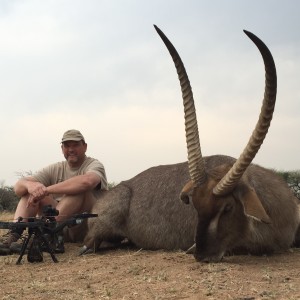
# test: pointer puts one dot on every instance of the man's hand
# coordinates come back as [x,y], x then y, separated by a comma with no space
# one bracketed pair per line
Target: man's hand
[36,191]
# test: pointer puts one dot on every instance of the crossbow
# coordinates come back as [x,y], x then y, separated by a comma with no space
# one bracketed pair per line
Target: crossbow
[42,232]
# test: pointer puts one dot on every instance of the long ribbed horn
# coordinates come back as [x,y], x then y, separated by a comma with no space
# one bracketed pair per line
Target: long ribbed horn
[195,160]
[230,180]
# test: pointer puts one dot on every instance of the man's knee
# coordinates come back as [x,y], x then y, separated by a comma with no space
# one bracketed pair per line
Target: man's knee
[72,204]
[89,201]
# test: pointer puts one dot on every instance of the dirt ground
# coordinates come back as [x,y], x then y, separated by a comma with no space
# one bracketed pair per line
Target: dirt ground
[131,273]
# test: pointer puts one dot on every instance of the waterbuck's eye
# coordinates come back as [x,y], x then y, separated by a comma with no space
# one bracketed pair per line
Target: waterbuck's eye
[185,198]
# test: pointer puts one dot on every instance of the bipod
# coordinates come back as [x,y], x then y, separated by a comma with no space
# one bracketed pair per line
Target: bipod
[39,243]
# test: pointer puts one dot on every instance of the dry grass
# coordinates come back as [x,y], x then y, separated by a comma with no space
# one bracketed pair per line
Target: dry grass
[6,216]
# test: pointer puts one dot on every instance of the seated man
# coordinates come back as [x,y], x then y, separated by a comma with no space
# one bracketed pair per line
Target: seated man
[71,186]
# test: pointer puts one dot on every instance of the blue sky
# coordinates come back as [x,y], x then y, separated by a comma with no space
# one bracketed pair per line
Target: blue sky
[100,67]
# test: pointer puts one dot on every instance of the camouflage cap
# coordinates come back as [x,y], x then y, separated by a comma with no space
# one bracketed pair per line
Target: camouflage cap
[72,135]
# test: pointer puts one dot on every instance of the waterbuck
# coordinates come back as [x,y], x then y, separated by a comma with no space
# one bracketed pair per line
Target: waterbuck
[146,209]
[238,206]
[241,207]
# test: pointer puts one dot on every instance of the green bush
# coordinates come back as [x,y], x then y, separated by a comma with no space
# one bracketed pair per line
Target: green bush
[111,185]
[293,180]
[8,199]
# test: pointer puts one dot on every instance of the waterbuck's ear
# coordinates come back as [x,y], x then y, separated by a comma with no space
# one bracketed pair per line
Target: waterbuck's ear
[186,192]
[252,204]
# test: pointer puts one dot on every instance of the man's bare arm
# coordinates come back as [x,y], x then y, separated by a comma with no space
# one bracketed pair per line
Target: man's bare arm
[28,185]
[75,185]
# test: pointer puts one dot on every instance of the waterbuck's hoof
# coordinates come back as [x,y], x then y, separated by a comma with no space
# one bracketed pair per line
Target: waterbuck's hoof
[85,250]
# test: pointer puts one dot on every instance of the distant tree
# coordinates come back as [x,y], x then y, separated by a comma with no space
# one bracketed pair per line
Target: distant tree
[8,199]
[111,185]
[293,180]
[22,174]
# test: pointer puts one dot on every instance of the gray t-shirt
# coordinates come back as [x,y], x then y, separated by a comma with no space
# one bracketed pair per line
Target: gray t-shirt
[61,171]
